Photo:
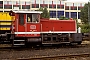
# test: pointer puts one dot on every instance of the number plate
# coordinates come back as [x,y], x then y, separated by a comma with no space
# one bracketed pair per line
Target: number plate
[33,27]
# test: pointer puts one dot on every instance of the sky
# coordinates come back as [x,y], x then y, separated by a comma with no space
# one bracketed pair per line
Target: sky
[79,0]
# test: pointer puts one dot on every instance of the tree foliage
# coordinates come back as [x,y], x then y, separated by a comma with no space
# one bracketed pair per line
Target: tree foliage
[41,9]
[63,18]
[84,14]
[84,17]
[45,13]
[85,28]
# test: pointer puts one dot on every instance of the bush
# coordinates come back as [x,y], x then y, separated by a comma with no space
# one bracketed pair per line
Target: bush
[63,18]
[85,28]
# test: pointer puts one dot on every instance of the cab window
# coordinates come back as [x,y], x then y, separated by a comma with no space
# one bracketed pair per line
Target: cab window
[32,18]
[21,19]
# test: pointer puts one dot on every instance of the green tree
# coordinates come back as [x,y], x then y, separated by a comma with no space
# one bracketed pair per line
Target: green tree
[84,14]
[84,18]
[45,13]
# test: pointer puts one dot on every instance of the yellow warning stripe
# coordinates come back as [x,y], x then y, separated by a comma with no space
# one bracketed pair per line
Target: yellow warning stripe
[5,23]
[4,28]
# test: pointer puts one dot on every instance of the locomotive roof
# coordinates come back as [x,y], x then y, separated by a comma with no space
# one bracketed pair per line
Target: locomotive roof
[38,12]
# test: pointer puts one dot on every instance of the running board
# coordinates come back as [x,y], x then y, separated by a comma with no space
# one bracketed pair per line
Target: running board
[18,42]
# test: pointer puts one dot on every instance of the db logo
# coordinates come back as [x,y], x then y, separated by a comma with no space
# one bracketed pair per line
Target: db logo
[33,27]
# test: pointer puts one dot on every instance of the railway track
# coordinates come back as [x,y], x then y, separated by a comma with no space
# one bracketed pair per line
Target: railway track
[46,53]
[6,48]
[41,54]
[56,57]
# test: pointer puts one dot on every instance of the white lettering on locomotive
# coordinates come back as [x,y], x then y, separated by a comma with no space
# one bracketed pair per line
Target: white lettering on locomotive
[33,27]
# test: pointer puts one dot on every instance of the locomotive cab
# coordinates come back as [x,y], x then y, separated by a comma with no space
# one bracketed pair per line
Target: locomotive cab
[25,26]
[26,22]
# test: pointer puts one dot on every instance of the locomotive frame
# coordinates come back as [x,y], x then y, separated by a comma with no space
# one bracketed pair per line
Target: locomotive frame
[28,28]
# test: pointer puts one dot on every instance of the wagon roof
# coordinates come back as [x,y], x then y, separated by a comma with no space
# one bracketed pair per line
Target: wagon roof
[38,12]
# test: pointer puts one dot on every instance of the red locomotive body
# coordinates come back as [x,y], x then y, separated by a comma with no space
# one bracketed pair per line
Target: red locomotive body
[28,28]
[58,26]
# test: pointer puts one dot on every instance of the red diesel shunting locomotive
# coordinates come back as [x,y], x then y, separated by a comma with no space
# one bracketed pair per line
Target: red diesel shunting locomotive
[28,28]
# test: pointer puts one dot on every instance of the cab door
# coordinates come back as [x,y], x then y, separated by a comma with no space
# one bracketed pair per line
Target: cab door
[21,23]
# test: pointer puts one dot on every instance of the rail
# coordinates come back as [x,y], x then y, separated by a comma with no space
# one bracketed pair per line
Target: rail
[56,57]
